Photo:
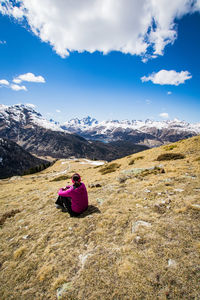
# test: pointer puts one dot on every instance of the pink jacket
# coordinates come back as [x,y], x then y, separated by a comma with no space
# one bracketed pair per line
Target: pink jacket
[79,197]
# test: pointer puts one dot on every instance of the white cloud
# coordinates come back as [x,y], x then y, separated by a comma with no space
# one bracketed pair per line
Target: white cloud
[164,115]
[7,8]
[16,87]
[169,93]
[129,26]
[168,77]
[58,111]
[30,77]
[17,80]
[2,42]
[4,82]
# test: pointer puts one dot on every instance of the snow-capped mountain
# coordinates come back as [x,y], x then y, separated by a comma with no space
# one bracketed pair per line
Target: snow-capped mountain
[25,115]
[148,132]
[23,125]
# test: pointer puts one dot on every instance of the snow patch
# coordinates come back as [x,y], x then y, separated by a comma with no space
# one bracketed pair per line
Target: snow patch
[91,162]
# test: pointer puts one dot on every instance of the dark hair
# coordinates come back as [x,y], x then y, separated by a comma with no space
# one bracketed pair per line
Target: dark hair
[76,178]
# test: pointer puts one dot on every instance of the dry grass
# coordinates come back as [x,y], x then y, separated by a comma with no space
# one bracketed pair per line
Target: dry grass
[109,168]
[7,215]
[100,256]
[170,147]
[60,178]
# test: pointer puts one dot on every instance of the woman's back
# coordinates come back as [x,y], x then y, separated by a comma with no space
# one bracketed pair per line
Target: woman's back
[78,195]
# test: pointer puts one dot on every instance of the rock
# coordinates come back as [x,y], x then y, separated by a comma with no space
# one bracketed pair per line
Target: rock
[161,206]
[15,178]
[195,206]
[95,185]
[144,171]
[64,288]
[172,263]
[83,258]
[138,240]
[137,224]
[179,190]
[25,237]
[147,191]
[100,200]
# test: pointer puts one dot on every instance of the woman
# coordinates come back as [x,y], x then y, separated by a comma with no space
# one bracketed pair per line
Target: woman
[74,198]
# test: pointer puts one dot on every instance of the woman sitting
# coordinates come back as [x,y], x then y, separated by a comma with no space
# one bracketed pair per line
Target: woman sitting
[74,198]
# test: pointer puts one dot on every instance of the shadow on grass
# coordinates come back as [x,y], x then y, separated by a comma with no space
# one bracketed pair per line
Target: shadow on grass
[91,210]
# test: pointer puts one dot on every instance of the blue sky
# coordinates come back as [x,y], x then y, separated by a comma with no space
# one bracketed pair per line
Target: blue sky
[93,74]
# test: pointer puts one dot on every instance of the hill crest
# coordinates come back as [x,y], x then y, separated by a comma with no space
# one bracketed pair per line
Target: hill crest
[139,239]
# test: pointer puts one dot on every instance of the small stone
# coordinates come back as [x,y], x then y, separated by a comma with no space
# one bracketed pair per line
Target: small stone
[61,290]
[160,207]
[195,206]
[159,193]
[137,224]
[100,200]
[179,190]
[147,191]
[25,237]
[94,185]
[83,258]
[138,239]
[70,228]
[171,263]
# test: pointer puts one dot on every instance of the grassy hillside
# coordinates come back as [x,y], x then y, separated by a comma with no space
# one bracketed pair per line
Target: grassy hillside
[138,240]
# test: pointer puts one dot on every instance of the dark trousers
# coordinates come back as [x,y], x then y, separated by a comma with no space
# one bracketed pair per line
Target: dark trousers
[65,202]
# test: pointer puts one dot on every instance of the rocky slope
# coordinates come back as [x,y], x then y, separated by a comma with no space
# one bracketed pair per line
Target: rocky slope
[14,160]
[23,125]
[150,133]
[139,238]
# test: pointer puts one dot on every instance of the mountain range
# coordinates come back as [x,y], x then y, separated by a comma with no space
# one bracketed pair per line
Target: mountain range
[150,133]
[23,125]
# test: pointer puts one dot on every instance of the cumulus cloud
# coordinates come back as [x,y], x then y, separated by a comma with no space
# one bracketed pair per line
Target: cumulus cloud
[30,77]
[58,111]
[168,77]
[16,87]
[169,93]
[8,8]
[17,80]
[164,115]
[142,27]
[4,82]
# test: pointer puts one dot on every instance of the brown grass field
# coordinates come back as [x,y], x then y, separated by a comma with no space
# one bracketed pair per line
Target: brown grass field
[139,238]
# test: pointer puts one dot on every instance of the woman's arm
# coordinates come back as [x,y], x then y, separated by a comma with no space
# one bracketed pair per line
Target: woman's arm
[65,193]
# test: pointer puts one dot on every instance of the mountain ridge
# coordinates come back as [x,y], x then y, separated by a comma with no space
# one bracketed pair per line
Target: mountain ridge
[23,125]
[148,132]
[15,161]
